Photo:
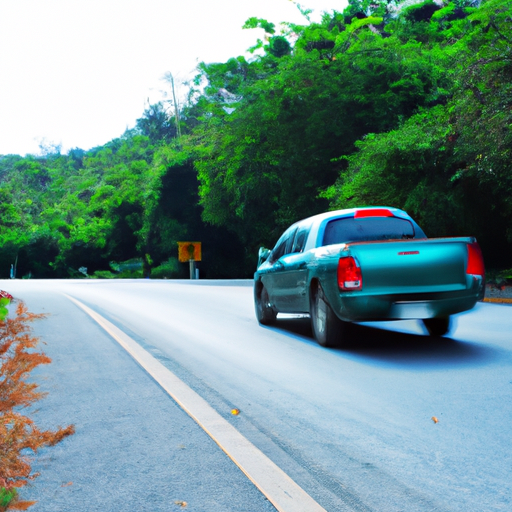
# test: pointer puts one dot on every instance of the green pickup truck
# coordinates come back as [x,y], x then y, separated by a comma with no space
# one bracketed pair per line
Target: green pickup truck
[367,264]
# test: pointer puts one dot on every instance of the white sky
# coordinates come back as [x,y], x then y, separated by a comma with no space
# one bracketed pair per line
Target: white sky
[79,72]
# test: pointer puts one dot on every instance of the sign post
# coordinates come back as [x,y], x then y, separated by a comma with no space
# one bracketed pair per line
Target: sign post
[191,252]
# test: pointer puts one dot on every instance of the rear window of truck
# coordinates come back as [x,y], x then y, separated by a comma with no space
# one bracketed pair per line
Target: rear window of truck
[366,229]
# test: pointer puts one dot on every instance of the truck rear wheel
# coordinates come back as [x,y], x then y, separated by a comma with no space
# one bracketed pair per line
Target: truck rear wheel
[437,326]
[328,329]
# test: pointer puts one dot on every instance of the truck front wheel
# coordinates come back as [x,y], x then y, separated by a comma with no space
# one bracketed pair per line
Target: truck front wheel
[265,313]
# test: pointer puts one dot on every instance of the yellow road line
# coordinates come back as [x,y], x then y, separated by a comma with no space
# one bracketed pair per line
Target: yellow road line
[272,481]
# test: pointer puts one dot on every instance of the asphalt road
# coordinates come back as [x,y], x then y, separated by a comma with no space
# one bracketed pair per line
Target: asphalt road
[352,427]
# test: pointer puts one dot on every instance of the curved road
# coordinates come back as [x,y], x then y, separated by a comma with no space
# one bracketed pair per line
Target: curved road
[352,427]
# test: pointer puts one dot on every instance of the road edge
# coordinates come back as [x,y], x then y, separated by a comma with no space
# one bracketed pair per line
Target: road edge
[283,492]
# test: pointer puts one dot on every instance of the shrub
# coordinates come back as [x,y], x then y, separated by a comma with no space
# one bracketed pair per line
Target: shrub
[167,270]
[18,434]
[103,274]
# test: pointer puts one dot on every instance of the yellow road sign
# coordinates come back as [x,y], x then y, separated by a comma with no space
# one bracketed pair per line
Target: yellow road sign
[189,251]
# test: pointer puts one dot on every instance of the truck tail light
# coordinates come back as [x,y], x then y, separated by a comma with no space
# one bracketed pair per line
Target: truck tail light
[475,260]
[349,274]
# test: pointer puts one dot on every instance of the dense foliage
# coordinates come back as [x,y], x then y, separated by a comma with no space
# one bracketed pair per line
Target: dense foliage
[383,103]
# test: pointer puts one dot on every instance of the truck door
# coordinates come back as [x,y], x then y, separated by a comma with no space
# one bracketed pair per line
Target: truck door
[290,275]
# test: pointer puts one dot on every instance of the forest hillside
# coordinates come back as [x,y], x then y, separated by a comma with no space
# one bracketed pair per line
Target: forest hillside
[381,104]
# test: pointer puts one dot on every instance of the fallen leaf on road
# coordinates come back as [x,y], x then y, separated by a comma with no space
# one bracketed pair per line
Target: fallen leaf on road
[181,503]
[236,412]
[21,505]
[434,419]
[66,485]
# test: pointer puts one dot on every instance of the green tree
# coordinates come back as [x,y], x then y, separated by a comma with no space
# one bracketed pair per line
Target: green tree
[449,165]
[267,147]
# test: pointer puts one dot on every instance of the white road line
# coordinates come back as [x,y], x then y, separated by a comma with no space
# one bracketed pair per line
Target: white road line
[273,482]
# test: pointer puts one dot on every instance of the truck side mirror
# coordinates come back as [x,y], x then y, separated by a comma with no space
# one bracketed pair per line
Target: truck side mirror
[263,255]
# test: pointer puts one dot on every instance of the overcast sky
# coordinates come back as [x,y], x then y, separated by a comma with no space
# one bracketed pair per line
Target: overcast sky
[79,72]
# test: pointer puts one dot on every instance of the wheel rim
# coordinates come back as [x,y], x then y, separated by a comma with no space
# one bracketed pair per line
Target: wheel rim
[264,301]
[264,297]
[264,309]
[320,313]
[320,316]
[259,303]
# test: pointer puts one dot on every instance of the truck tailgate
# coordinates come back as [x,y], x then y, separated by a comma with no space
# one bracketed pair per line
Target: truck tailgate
[412,266]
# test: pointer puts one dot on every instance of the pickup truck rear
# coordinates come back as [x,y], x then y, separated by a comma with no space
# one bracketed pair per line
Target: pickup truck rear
[367,264]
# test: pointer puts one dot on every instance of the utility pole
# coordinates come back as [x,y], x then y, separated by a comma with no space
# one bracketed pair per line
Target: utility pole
[176,108]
